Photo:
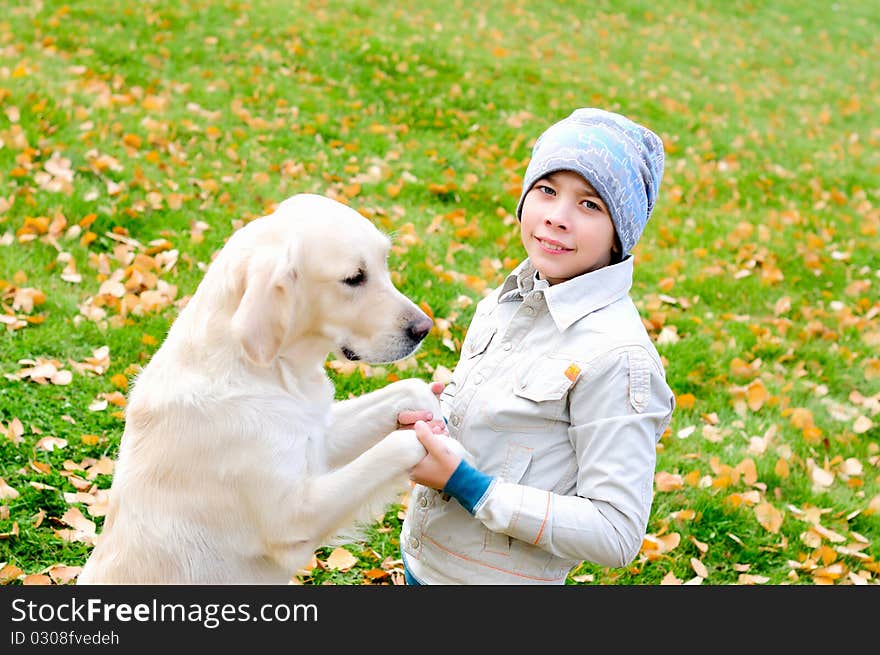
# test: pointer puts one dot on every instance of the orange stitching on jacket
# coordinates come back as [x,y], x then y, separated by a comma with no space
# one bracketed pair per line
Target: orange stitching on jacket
[488,566]
[544,522]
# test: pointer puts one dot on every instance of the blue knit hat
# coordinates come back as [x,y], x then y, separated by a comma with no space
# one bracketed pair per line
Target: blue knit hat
[621,159]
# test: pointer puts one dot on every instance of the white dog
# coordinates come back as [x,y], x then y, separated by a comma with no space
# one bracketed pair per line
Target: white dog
[236,463]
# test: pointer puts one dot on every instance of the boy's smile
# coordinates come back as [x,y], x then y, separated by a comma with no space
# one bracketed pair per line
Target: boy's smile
[566,228]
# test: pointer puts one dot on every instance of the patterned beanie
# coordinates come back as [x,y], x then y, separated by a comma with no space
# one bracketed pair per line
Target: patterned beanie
[621,159]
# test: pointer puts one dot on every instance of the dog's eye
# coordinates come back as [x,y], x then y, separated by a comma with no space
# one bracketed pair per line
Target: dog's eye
[357,279]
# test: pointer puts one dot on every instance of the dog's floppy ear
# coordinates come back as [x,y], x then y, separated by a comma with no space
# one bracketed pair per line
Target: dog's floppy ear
[263,315]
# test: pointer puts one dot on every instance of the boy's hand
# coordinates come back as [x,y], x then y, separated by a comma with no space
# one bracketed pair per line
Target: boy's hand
[408,418]
[439,464]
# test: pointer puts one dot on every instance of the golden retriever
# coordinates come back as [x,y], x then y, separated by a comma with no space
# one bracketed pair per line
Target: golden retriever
[236,463]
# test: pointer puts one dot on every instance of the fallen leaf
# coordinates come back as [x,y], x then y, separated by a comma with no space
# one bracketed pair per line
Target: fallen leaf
[50,443]
[62,574]
[10,572]
[341,560]
[75,519]
[36,579]
[670,579]
[699,568]
[668,481]
[6,491]
[769,517]
[750,579]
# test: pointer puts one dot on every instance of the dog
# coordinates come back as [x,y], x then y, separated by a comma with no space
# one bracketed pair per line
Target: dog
[236,462]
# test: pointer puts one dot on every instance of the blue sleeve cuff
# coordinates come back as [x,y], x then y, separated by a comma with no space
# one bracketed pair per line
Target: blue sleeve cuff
[468,485]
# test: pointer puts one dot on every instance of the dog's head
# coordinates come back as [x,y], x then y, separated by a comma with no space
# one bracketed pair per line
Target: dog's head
[313,275]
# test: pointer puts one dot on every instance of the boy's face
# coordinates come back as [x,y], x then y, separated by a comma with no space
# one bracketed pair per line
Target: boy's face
[566,228]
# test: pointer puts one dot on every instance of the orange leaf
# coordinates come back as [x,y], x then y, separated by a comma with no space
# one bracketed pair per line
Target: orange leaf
[757,395]
[376,574]
[781,468]
[36,579]
[685,401]
[132,140]
[769,517]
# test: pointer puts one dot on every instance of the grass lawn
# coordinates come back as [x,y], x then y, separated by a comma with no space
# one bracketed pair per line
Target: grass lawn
[135,137]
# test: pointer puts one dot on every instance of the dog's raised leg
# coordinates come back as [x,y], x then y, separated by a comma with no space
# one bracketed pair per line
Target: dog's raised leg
[331,503]
[359,423]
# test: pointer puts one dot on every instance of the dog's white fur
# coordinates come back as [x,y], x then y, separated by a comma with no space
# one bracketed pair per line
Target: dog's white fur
[236,463]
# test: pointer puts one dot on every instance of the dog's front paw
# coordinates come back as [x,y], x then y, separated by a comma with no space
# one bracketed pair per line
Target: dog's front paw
[415,394]
[404,449]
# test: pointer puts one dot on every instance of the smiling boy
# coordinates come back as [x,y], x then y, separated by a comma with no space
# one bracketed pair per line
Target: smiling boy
[559,395]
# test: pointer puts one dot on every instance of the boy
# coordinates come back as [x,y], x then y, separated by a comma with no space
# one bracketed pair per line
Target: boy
[559,396]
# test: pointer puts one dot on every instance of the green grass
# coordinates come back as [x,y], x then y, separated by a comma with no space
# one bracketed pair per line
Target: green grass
[177,114]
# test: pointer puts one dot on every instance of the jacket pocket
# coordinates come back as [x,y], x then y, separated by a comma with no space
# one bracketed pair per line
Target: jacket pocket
[538,397]
[474,347]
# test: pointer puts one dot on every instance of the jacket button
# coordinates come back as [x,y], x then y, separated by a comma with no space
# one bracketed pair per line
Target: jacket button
[456,420]
[478,379]
[506,345]
[423,501]
[530,311]
[414,542]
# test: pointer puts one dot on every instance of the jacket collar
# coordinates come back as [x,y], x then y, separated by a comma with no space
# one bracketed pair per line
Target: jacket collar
[573,299]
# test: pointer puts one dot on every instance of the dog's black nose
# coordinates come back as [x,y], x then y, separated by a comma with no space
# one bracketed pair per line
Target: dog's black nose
[419,328]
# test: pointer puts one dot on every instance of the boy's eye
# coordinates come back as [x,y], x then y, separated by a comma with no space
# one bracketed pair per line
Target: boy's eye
[543,188]
[589,204]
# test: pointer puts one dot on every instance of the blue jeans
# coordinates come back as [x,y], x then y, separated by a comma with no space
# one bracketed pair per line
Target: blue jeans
[410,581]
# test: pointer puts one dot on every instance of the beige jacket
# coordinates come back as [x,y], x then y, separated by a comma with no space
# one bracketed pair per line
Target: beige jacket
[561,395]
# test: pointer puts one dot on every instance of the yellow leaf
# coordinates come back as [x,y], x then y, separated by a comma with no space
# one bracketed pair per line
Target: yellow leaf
[781,468]
[826,554]
[36,579]
[801,418]
[739,368]
[757,395]
[684,515]
[10,572]
[769,517]
[341,560]
[747,469]
[685,401]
